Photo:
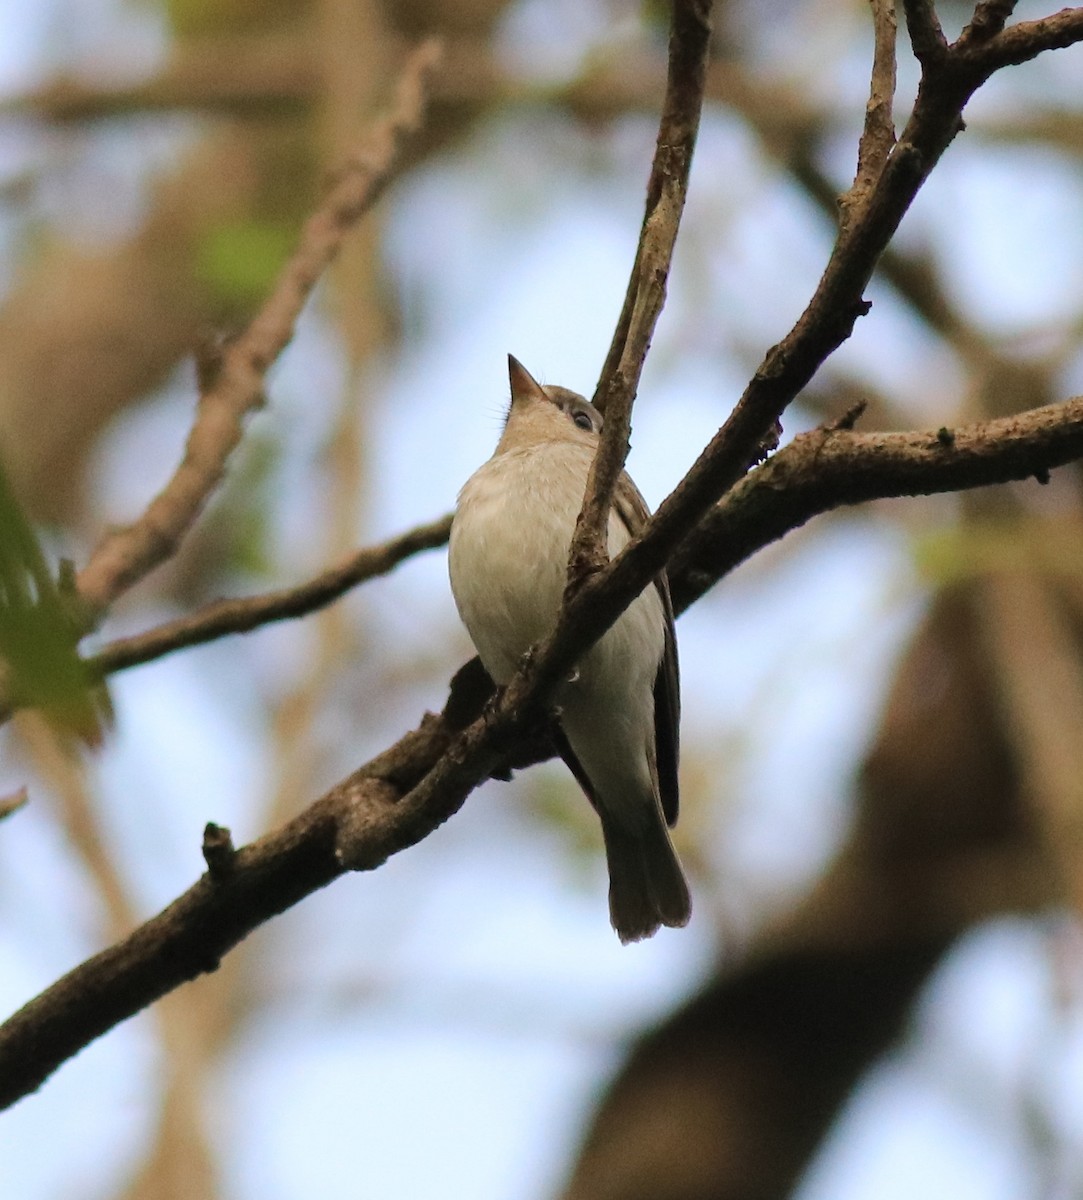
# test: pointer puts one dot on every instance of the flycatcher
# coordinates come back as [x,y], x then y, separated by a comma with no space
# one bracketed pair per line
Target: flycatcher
[618,714]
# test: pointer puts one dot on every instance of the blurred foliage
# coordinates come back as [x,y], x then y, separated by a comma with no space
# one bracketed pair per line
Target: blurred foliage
[290,181]
[239,260]
[38,633]
[241,521]
[766,709]
[209,17]
[975,548]
[556,800]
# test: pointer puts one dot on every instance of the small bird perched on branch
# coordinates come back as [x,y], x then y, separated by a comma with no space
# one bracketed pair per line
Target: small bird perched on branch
[618,714]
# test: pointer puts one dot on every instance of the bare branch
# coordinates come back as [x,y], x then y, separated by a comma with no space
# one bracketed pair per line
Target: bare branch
[988,20]
[126,555]
[225,617]
[878,136]
[1020,43]
[667,187]
[838,301]
[828,469]
[926,37]
[381,809]
[404,794]
[689,49]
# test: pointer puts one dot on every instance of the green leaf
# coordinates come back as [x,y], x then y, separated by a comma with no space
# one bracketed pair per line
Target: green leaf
[38,635]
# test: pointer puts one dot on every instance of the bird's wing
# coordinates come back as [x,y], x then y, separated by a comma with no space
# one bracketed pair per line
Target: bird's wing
[633,511]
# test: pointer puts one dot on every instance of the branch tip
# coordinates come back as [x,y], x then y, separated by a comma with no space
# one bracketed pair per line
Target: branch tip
[849,418]
[218,850]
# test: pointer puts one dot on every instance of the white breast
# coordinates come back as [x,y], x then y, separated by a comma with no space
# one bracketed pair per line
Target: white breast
[508,559]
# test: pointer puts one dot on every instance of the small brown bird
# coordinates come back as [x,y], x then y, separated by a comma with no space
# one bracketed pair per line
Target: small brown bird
[618,713]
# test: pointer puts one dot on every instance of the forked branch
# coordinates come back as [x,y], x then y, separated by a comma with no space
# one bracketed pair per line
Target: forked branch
[401,796]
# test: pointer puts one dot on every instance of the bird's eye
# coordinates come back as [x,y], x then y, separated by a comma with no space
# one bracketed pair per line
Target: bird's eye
[583,420]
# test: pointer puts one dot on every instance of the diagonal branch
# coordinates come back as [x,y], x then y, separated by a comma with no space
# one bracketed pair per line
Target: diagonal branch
[832,468]
[689,51]
[1026,40]
[380,809]
[948,82]
[126,555]
[405,793]
[221,618]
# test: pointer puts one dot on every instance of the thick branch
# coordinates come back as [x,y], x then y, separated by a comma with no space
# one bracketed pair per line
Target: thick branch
[379,810]
[189,937]
[828,469]
[397,799]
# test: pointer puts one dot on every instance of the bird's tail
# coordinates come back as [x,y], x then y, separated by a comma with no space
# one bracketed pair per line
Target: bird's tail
[647,887]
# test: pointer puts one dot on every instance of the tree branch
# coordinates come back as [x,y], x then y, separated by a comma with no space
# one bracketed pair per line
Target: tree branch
[667,187]
[126,555]
[1026,40]
[398,798]
[878,135]
[405,793]
[947,84]
[926,37]
[989,19]
[225,617]
[832,468]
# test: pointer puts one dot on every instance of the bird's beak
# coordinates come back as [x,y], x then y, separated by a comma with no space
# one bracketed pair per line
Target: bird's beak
[525,389]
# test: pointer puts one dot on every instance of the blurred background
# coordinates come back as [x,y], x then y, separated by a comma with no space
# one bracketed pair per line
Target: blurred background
[881,991]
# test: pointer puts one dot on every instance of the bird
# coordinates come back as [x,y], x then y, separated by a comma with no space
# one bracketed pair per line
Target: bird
[617,715]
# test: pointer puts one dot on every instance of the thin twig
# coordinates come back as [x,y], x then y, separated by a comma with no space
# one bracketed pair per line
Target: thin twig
[225,617]
[667,187]
[878,135]
[126,555]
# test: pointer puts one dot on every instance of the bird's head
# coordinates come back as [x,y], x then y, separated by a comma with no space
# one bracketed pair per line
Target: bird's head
[545,414]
